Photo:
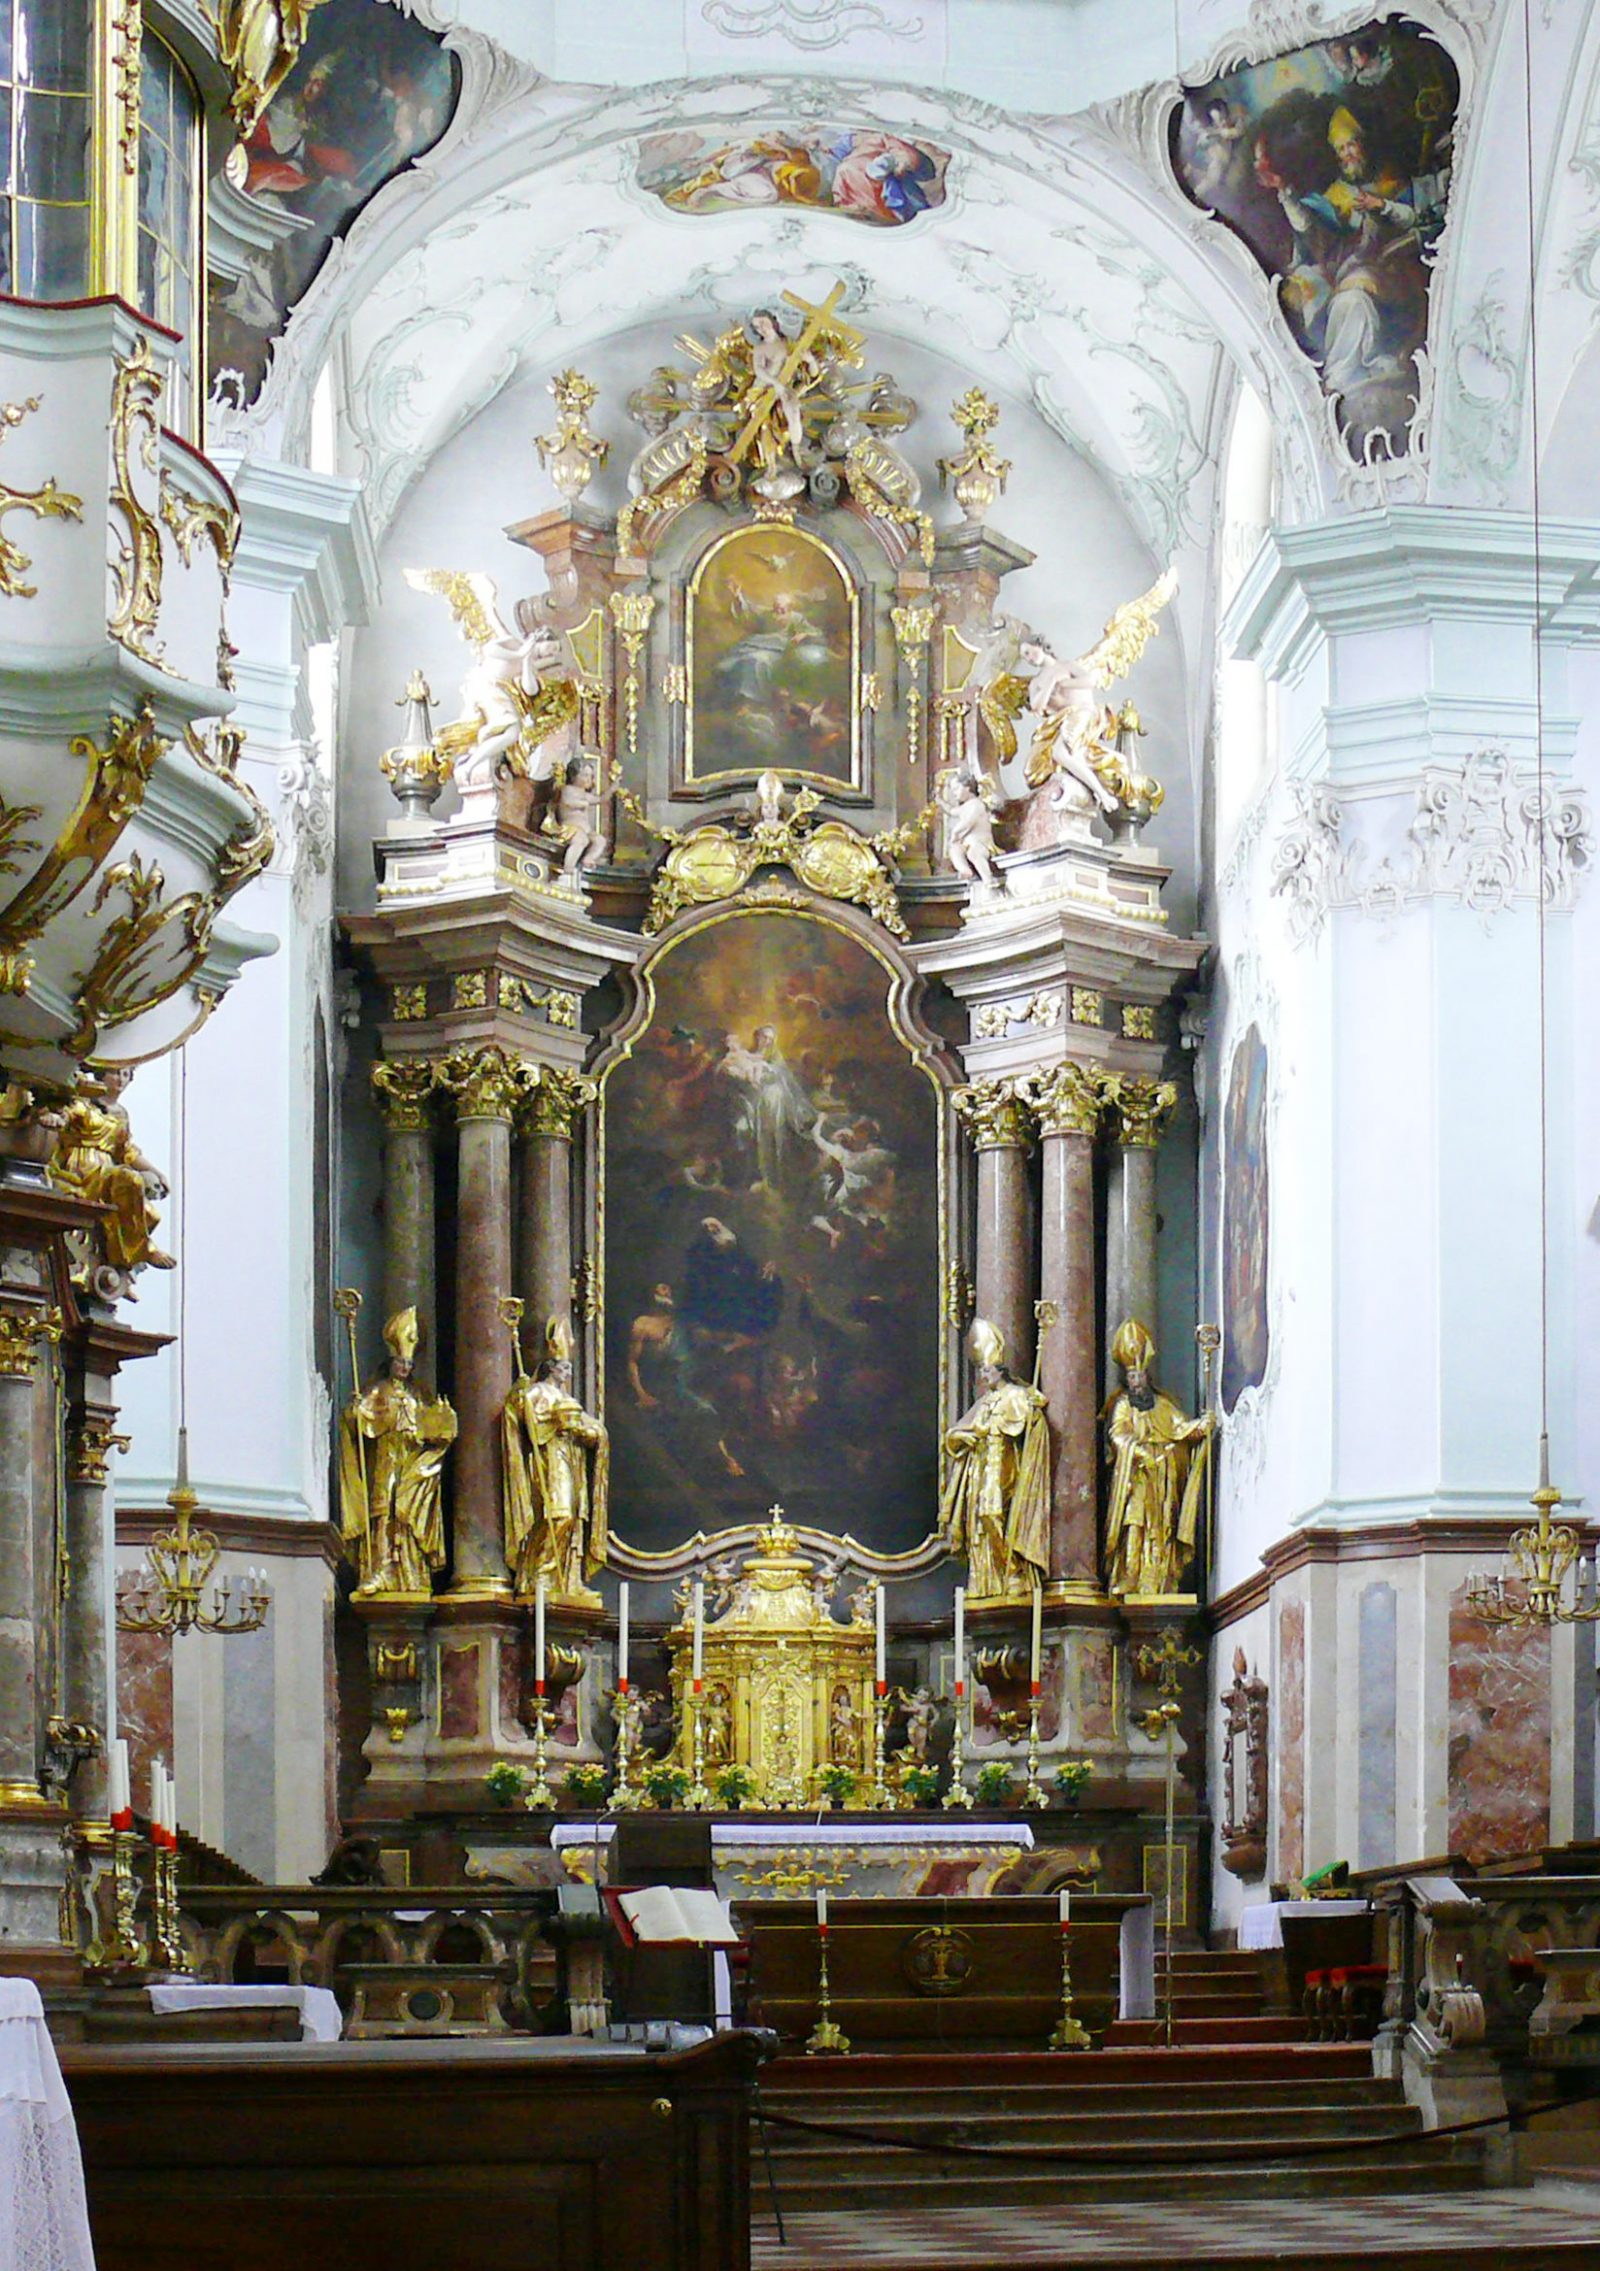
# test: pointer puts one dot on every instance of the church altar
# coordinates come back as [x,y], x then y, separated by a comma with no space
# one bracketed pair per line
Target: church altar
[865,1860]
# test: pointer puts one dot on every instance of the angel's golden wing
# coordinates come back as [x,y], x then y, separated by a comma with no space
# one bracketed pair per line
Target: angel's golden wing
[1000,704]
[472,600]
[1129,632]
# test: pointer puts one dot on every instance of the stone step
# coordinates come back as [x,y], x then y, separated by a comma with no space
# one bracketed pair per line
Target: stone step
[1258,2028]
[869,2189]
[1128,2064]
[865,2108]
[1245,2123]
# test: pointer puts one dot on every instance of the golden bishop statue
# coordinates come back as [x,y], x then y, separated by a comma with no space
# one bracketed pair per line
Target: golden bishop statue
[392,1445]
[1158,1476]
[995,1504]
[557,1473]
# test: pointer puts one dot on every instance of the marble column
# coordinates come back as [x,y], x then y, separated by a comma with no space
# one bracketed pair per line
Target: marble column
[997,1120]
[544,1231]
[85,1643]
[1067,1102]
[1138,1111]
[487,1086]
[404,1088]
[32,1863]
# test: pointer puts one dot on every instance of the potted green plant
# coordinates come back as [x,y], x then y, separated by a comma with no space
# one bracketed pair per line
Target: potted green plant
[920,1784]
[994,1782]
[838,1784]
[505,1782]
[665,1785]
[585,1786]
[1071,1775]
[733,1785]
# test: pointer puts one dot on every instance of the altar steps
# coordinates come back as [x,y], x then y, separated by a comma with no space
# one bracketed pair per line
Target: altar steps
[1218,1997]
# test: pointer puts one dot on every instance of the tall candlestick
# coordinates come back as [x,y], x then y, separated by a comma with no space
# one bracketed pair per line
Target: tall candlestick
[538,1637]
[1065,1903]
[961,1641]
[881,1663]
[622,1636]
[120,1793]
[699,1632]
[822,1909]
[1038,1634]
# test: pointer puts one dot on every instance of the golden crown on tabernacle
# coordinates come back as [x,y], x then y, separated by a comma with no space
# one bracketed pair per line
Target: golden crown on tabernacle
[401,1333]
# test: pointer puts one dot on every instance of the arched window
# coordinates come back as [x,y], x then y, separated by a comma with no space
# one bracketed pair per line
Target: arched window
[46,122]
[1243,711]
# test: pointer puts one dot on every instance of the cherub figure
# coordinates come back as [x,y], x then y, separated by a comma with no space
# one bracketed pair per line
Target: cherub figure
[921,1710]
[1074,734]
[519,705]
[967,803]
[576,815]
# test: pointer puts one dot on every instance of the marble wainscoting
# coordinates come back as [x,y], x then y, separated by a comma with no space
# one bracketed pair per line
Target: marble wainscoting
[1291,1739]
[1499,1736]
[144,1705]
[1097,1687]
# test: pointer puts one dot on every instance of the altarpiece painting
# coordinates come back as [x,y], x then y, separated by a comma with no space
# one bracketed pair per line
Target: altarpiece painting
[771,1218]
[773,660]
[1245,1231]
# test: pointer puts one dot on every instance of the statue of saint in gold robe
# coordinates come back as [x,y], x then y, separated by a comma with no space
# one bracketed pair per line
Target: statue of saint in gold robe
[95,1157]
[392,1445]
[557,1480]
[1159,1460]
[995,1504]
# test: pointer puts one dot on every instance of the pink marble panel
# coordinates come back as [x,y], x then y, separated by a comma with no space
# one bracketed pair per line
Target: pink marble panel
[1292,1739]
[987,1706]
[1499,1737]
[458,1692]
[511,1728]
[144,1705]
[1097,1687]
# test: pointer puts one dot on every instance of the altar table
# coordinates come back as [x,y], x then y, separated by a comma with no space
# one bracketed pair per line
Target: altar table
[43,2221]
[1261,1925]
[870,1860]
[318,2008]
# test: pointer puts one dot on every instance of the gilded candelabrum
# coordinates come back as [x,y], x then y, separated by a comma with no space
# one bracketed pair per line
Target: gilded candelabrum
[626,1796]
[168,1937]
[172,1594]
[697,1795]
[1035,1794]
[1540,1557]
[539,1797]
[882,1799]
[1069,2033]
[825,2037]
[125,1945]
[958,1794]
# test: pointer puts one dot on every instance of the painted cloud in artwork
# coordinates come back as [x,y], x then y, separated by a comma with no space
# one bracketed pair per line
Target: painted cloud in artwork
[1333,164]
[883,179]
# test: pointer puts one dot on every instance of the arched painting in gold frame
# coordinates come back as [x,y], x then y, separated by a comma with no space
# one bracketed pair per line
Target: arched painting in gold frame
[773,661]
[770,1085]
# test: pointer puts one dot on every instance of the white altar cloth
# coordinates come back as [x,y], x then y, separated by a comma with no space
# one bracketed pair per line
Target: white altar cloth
[823,1834]
[1261,1925]
[321,2020]
[782,1860]
[44,2222]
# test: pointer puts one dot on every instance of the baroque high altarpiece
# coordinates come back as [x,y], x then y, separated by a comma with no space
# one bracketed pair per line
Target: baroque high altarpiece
[770,1051]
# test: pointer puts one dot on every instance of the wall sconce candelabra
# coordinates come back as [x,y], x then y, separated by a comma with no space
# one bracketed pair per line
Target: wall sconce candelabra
[1540,1558]
[173,1592]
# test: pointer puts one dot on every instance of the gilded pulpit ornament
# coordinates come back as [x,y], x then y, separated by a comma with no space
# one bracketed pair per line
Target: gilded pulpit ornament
[392,1445]
[48,502]
[557,1475]
[1160,1459]
[572,456]
[96,1158]
[995,1503]
[1075,735]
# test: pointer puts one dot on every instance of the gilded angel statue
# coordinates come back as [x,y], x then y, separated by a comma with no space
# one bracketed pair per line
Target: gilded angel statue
[1074,733]
[259,42]
[519,699]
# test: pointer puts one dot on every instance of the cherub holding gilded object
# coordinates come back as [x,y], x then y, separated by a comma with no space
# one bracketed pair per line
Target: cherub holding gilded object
[1074,735]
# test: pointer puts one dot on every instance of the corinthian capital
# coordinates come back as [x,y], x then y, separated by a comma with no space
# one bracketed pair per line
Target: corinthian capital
[20,1334]
[1140,1110]
[1067,1099]
[995,1115]
[404,1088]
[559,1102]
[486,1083]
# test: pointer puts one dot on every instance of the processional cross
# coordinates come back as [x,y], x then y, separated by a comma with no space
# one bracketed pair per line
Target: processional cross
[819,319]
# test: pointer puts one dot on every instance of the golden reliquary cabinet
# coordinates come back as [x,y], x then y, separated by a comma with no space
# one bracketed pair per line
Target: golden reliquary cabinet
[787,1688]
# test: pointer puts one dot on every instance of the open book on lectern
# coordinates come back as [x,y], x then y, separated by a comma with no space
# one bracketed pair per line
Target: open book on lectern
[664,1915]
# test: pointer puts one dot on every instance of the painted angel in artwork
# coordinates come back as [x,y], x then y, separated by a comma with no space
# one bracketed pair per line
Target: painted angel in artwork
[519,698]
[1074,734]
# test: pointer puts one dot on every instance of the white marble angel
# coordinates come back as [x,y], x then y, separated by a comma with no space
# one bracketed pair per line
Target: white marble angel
[967,801]
[519,699]
[1073,734]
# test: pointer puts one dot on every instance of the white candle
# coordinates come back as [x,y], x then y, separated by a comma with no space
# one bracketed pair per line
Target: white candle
[120,1805]
[1065,1899]
[1038,1621]
[961,1642]
[822,1910]
[538,1638]
[699,1631]
[881,1672]
[622,1637]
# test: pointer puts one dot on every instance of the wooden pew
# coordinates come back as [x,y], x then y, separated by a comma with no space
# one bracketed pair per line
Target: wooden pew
[440,2156]
[993,1984]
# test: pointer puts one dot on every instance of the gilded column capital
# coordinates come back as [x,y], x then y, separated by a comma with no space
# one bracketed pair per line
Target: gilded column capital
[91,1439]
[1067,1099]
[20,1333]
[404,1088]
[994,1115]
[560,1100]
[487,1084]
[1140,1110]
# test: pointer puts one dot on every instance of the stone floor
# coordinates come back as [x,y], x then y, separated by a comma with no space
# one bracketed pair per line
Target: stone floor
[1552,2226]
